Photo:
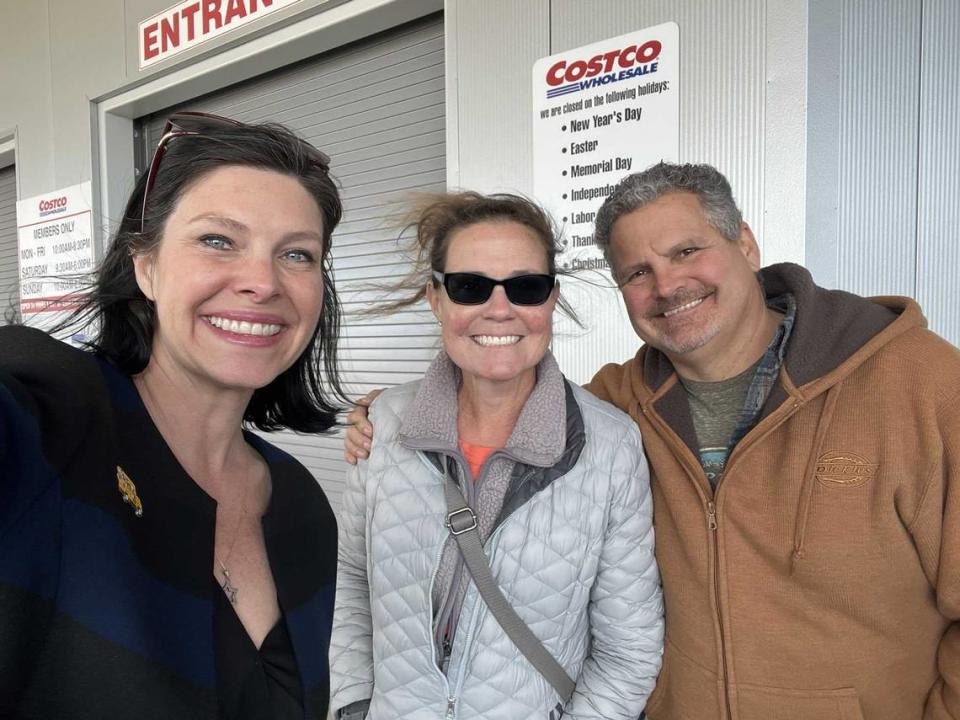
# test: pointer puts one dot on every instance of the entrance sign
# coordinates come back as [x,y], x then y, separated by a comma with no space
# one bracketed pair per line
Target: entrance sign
[187,24]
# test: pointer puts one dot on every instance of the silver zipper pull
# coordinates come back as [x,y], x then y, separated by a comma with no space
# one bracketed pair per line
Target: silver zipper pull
[451,704]
[711,515]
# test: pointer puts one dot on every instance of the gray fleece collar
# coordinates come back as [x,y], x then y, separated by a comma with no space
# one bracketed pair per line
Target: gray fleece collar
[538,438]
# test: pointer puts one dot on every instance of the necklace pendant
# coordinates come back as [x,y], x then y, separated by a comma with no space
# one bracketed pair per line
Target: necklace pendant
[228,587]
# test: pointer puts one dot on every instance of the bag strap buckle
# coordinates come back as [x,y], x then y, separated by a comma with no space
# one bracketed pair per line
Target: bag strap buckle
[461,521]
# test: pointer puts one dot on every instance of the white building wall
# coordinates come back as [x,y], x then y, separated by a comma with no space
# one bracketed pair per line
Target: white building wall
[883,156]
[26,106]
[938,190]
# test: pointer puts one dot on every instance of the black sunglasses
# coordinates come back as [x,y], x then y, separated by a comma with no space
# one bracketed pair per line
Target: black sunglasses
[466,288]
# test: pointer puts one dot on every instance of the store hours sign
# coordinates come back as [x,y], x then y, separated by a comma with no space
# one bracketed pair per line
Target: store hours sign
[55,249]
[601,112]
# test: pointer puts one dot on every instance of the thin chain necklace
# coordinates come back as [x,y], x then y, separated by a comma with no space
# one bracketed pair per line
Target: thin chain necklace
[229,589]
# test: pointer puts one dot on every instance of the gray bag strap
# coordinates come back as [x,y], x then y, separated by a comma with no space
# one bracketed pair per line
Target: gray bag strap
[462,524]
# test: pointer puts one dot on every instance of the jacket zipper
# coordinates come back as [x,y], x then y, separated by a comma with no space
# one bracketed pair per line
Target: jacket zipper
[665,431]
[712,527]
[469,488]
[451,700]
[451,711]
[433,648]
[655,419]
[471,631]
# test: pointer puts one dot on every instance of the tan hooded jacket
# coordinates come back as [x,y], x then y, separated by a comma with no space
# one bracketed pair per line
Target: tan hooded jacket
[821,581]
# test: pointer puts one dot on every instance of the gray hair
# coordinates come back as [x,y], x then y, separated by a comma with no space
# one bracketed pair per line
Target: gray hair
[639,189]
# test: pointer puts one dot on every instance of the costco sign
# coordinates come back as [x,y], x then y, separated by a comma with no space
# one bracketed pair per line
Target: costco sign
[187,24]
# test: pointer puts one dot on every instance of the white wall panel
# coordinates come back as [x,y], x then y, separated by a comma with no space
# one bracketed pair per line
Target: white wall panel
[884,139]
[938,193]
[492,46]
[879,93]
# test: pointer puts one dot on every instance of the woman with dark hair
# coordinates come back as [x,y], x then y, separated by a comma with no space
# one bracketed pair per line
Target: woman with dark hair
[496,547]
[156,559]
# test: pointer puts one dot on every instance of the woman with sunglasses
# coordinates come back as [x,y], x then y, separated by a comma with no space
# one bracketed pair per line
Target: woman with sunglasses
[157,560]
[493,460]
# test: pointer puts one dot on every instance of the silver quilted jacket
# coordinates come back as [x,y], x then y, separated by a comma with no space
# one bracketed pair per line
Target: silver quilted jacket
[571,548]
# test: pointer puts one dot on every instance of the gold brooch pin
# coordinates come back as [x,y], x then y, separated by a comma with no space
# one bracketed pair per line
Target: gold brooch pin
[129,492]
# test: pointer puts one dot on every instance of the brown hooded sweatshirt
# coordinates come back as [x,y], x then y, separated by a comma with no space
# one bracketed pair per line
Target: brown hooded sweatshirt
[821,581]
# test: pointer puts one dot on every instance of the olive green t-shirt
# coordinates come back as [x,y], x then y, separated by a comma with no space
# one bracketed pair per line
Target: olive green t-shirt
[715,408]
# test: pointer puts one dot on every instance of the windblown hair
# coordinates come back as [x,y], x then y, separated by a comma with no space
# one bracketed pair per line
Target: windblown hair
[126,320]
[639,189]
[433,220]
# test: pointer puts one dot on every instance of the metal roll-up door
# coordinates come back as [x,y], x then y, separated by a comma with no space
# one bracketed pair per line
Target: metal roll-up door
[9,268]
[377,108]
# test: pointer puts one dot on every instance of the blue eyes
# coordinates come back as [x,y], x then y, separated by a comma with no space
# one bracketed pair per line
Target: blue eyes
[295,256]
[298,256]
[217,242]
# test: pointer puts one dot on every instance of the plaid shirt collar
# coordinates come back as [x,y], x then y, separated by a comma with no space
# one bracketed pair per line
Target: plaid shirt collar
[766,373]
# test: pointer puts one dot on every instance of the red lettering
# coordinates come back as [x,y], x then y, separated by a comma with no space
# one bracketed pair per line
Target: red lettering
[211,15]
[235,8]
[253,4]
[169,33]
[53,204]
[150,49]
[626,60]
[561,72]
[575,71]
[609,58]
[555,73]
[594,65]
[648,51]
[188,13]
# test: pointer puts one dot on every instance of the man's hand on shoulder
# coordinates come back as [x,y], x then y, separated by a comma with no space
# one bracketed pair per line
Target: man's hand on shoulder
[356,443]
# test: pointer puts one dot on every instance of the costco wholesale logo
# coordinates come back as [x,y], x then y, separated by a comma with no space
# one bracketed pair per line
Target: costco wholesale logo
[52,206]
[565,77]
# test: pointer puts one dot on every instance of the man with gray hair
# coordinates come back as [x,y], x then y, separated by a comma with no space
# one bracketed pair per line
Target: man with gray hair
[805,447]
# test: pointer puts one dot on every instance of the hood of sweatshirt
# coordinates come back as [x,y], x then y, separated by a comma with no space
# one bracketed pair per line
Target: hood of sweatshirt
[834,332]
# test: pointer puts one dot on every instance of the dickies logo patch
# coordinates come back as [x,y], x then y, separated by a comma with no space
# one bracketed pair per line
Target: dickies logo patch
[844,469]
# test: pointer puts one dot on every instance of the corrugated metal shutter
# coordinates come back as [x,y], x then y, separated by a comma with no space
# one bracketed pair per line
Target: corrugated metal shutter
[377,108]
[9,270]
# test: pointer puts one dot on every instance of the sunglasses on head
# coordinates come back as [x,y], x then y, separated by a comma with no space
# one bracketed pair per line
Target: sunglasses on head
[178,125]
[466,288]
[188,123]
